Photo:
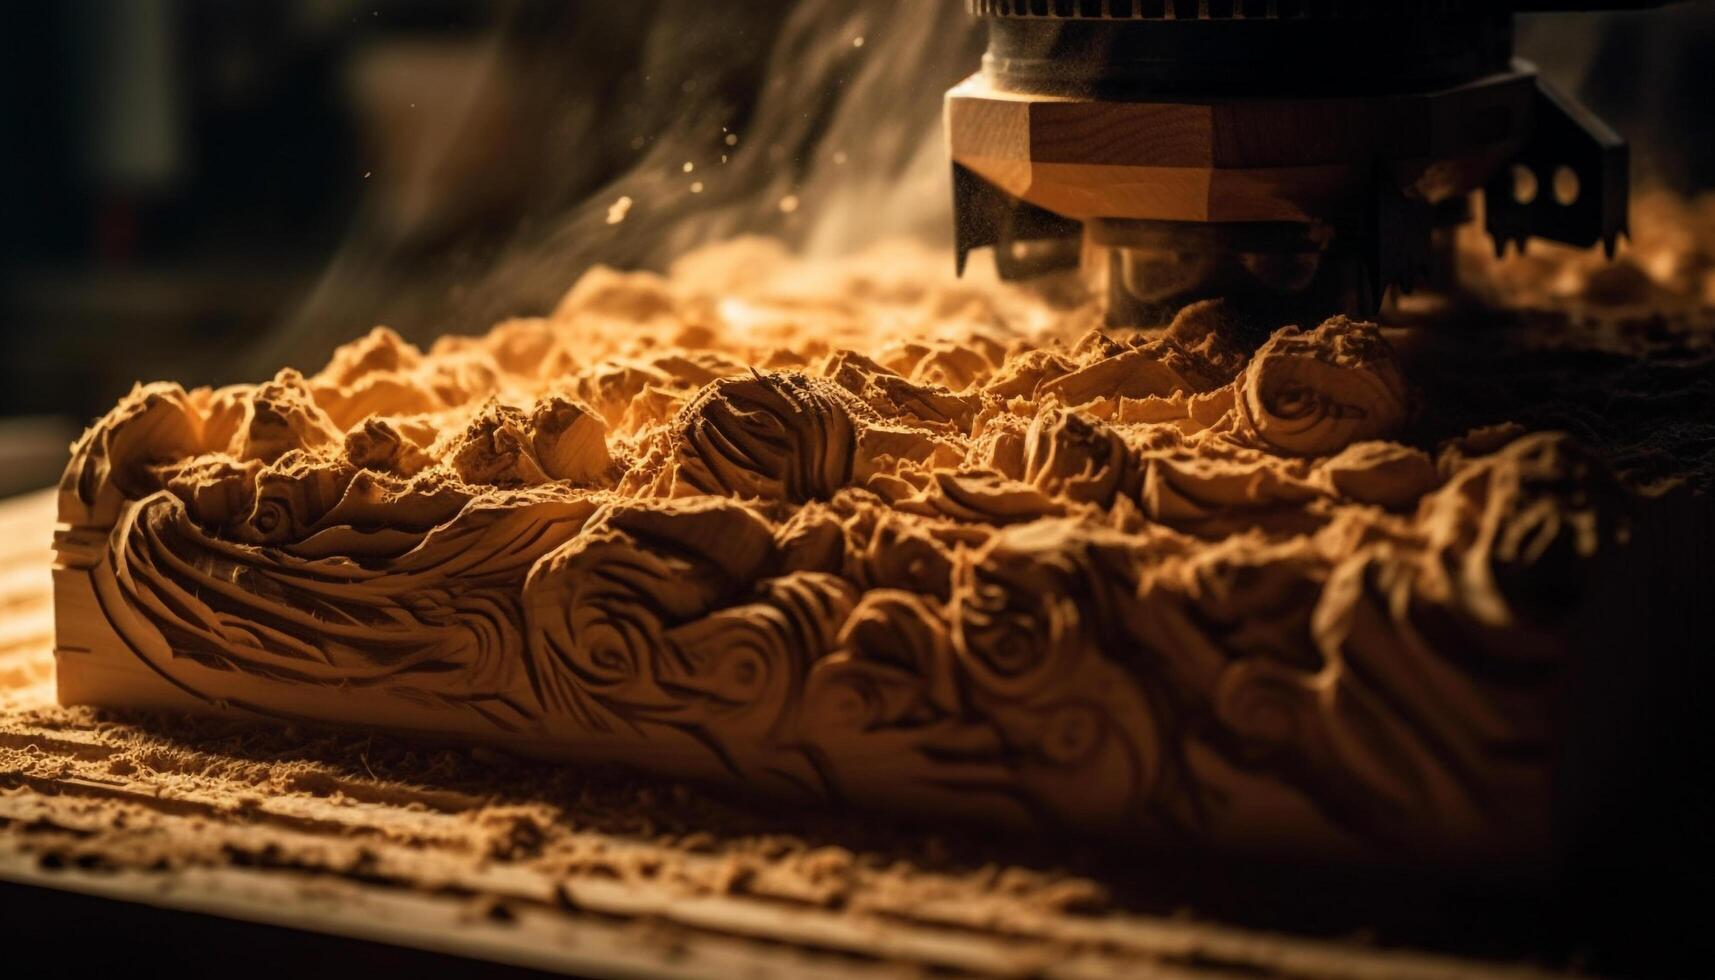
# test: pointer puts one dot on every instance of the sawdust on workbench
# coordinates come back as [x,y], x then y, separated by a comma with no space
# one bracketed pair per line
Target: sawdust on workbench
[398,814]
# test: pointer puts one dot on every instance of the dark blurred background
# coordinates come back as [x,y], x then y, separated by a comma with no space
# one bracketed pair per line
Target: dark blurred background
[206,190]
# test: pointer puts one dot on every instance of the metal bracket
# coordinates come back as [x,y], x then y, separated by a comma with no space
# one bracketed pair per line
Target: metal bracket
[1574,173]
[1028,240]
[1404,230]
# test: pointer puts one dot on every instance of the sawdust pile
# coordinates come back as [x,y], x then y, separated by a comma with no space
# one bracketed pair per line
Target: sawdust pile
[857,533]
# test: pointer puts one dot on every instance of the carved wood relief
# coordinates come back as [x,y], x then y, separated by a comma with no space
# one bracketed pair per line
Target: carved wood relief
[928,550]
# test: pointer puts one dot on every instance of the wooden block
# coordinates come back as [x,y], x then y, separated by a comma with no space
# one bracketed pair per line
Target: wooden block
[1241,617]
[1229,160]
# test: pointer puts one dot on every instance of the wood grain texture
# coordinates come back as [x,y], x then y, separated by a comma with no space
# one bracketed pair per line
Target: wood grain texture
[1230,160]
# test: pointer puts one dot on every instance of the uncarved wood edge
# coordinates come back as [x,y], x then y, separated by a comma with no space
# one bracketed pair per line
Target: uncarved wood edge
[93,664]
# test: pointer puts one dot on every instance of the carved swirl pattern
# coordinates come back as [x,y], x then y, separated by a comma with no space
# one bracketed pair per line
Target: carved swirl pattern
[920,557]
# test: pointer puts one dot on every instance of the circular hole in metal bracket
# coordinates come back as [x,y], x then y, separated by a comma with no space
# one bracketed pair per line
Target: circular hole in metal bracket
[1525,184]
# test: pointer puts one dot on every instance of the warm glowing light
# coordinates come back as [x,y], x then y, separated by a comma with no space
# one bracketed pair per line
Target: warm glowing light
[617,211]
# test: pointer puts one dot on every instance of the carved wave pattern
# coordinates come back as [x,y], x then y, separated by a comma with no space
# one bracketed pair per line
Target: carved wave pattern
[1147,588]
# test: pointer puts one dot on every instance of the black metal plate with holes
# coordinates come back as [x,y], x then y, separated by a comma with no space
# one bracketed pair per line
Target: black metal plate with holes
[1569,184]
[984,215]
